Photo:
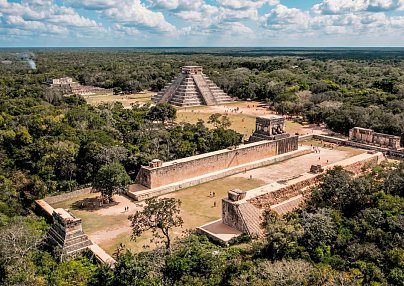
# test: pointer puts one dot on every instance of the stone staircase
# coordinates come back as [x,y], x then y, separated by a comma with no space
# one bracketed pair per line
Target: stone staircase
[187,94]
[219,95]
[251,217]
[167,92]
[66,232]
[192,89]
[204,89]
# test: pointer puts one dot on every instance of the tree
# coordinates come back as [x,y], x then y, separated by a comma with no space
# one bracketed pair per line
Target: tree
[159,215]
[162,112]
[111,179]
[225,122]
[214,119]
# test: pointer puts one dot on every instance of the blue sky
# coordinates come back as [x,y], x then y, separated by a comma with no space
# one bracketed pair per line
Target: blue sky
[140,23]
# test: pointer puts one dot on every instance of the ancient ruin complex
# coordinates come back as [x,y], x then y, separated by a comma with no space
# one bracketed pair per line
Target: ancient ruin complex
[67,233]
[368,136]
[242,211]
[191,87]
[68,85]
[163,173]
[269,127]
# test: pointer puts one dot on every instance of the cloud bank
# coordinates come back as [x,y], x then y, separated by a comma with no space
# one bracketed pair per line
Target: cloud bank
[201,23]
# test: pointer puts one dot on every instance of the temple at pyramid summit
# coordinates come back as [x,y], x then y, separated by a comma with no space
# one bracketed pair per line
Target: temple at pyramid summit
[191,87]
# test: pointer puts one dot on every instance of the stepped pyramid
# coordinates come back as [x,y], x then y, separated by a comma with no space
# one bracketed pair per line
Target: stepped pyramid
[67,233]
[191,87]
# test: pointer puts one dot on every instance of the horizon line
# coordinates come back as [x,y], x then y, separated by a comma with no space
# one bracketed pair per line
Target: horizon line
[205,47]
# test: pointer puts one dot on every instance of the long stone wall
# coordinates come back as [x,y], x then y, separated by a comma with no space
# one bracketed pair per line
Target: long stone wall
[148,193]
[182,169]
[391,152]
[67,196]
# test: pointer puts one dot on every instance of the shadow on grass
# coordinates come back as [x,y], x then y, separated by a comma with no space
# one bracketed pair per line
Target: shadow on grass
[92,204]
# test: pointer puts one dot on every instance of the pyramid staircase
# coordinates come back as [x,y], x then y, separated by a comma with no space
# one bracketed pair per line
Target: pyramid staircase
[67,233]
[191,88]
[251,218]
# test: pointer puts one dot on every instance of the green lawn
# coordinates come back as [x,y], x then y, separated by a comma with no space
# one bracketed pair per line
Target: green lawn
[196,209]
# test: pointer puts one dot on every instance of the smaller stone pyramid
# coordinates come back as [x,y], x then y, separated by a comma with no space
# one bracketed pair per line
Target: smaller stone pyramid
[67,233]
[191,87]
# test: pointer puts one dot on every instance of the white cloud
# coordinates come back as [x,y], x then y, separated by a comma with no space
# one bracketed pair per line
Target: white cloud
[348,6]
[228,15]
[284,18]
[245,4]
[93,4]
[132,13]
[44,17]
[202,21]
[177,5]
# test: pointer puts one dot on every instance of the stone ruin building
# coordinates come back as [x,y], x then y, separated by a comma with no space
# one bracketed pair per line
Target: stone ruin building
[368,136]
[71,87]
[67,233]
[242,211]
[271,127]
[58,82]
[190,88]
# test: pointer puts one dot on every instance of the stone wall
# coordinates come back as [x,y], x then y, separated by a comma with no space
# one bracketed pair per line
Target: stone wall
[67,196]
[231,216]
[140,195]
[187,168]
[368,136]
[242,214]
[302,186]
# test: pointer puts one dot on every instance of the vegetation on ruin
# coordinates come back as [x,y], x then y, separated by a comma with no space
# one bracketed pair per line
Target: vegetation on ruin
[350,233]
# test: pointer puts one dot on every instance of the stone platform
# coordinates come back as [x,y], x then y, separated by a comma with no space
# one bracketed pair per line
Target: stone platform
[243,212]
[219,232]
[67,233]
[144,194]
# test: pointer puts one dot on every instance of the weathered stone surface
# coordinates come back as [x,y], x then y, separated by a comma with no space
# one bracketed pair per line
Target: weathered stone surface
[67,233]
[316,169]
[269,127]
[368,136]
[190,88]
[140,192]
[178,170]
[244,215]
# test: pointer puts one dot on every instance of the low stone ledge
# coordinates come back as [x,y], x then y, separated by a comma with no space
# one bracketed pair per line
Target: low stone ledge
[101,255]
[45,207]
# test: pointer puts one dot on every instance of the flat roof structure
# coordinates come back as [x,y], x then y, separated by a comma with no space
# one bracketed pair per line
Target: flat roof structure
[220,232]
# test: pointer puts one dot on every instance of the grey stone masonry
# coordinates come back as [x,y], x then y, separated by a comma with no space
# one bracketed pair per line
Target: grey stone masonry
[269,127]
[67,233]
[191,88]
[368,136]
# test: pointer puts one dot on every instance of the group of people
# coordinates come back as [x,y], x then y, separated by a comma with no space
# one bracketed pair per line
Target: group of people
[316,149]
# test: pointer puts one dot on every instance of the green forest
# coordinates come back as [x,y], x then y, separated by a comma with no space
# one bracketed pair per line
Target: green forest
[349,233]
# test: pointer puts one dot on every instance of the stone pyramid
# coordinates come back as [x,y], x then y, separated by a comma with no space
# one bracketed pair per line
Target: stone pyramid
[67,233]
[191,87]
